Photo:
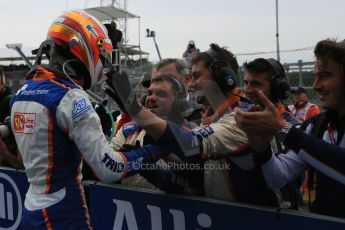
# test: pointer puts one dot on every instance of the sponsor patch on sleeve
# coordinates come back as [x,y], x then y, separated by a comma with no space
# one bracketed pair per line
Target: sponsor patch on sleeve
[79,108]
[112,165]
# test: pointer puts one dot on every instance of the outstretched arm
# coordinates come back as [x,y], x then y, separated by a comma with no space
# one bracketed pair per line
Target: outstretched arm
[120,90]
[223,136]
[84,129]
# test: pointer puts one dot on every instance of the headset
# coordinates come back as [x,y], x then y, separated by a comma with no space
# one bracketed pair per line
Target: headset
[280,87]
[181,103]
[222,72]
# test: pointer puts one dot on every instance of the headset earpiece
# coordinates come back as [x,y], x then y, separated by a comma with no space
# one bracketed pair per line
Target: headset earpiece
[280,87]
[225,78]
[222,72]
[181,103]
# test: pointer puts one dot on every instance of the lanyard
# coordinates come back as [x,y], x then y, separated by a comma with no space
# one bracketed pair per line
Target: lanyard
[330,134]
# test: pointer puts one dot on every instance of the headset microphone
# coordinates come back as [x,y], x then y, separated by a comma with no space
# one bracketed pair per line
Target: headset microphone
[242,98]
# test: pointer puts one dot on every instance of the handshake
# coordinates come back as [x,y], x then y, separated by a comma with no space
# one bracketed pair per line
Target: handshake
[106,117]
[120,90]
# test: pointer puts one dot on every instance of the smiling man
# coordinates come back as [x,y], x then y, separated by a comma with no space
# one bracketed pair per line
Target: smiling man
[269,76]
[166,99]
[320,141]
[214,75]
[162,95]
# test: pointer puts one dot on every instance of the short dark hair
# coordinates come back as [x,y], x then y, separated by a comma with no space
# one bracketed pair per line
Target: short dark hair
[260,66]
[180,65]
[222,52]
[332,49]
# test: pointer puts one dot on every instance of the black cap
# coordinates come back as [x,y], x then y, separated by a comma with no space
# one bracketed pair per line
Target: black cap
[299,90]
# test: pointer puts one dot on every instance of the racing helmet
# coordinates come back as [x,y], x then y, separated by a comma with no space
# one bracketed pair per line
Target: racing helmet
[86,39]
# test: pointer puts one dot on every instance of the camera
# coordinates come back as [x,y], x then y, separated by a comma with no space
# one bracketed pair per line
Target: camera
[5,129]
[7,135]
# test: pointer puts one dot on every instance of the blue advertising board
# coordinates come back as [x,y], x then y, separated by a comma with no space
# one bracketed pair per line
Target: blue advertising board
[117,207]
[13,186]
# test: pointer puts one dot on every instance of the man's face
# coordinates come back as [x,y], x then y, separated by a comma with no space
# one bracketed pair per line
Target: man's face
[202,81]
[160,98]
[253,83]
[329,83]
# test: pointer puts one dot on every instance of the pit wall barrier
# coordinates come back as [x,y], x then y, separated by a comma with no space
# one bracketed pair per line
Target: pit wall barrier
[119,207]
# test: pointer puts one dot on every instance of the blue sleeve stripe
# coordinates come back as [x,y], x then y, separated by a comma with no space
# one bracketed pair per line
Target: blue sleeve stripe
[327,170]
[331,155]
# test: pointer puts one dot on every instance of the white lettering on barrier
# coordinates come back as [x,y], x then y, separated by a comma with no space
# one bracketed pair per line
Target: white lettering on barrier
[124,210]
[204,220]
[156,217]
[179,219]
[6,203]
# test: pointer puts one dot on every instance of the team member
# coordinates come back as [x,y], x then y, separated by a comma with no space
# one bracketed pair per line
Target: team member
[320,142]
[214,79]
[56,127]
[165,98]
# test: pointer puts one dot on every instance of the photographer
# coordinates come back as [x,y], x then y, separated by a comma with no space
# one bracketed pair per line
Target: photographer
[5,97]
[9,156]
[190,52]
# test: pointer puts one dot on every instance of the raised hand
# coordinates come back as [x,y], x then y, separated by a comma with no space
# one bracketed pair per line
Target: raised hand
[120,90]
[266,122]
[260,126]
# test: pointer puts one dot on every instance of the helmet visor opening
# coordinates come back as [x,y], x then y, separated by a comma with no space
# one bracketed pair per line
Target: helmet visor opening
[105,62]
